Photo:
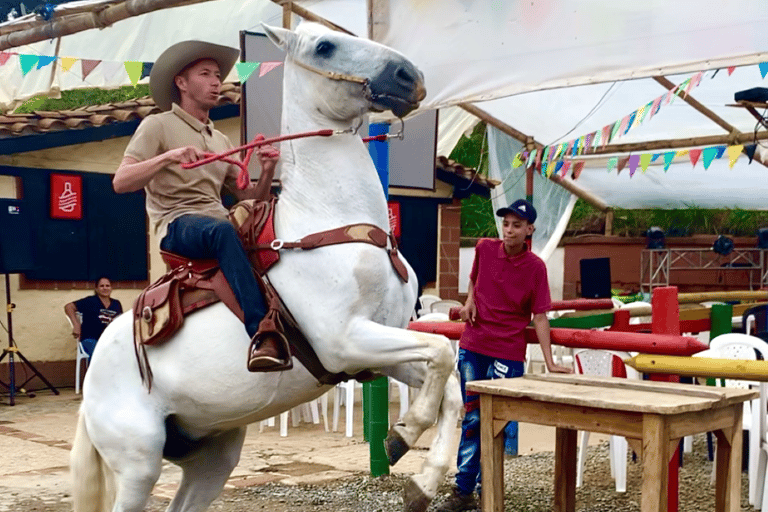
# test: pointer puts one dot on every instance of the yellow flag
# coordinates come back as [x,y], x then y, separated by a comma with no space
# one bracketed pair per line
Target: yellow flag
[733,154]
[517,162]
[134,71]
[682,152]
[67,62]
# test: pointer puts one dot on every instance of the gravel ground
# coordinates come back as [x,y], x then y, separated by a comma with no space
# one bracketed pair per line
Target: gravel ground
[528,488]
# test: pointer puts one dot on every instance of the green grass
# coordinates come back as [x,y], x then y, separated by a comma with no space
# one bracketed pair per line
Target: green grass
[82,97]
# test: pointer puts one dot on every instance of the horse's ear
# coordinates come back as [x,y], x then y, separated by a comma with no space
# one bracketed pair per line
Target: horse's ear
[280,36]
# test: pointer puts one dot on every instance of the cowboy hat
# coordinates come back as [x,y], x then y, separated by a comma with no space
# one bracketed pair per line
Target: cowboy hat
[173,60]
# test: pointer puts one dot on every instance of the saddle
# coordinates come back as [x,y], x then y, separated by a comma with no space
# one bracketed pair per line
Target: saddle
[193,284]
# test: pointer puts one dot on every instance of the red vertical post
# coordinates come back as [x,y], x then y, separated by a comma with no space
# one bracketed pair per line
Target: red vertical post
[665,319]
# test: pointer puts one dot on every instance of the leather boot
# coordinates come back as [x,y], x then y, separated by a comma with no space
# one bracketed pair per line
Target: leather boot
[268,353]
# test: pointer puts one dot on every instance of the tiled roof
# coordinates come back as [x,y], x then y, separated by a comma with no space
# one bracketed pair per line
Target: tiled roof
[13,125]
[467,175]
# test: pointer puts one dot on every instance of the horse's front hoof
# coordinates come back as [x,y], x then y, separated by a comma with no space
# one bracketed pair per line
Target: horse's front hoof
[414,499]
[395,446]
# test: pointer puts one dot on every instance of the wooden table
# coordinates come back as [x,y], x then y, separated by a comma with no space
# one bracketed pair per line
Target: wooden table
[653,416]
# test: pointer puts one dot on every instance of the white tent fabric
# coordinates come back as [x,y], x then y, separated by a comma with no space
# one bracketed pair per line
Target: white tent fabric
[553,203]
[496,51]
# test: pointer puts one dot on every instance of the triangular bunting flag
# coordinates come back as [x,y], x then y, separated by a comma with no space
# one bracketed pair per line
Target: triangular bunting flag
[146,69]
[622,163]
[266,67]
[624,125]
[708,154]
[588,142]
[27,62]
[720,151]
[110,68]
[668,157]
[656,106]
[531,157]
[544,161]
[655,157]
[644,111]
[88,65]
[689,86]
[694,155]
[4,56]
[517,161]
[668,97]
[558,166]
[596,138]
[44,60]
[633,161]
[680,88]
[566,166]
[569,147]
[750,151]
[730,70]
[245,69]
[134,70]
[763,68]
[577,168]
[631,121]
[537,162]
[66,63]
[682,152]
[696,80]
[606,135]
[615,129]
[645,159]
[612,163]
[733,154]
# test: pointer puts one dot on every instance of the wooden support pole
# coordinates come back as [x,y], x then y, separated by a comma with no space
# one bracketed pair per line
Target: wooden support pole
[310,16]
[84,21]
[722,123]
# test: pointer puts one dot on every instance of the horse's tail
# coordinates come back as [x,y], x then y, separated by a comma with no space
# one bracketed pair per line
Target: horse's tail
[93,488]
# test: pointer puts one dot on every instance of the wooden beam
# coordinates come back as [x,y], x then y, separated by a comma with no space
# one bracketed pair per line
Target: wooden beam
[378,19]
[310,16]
[527,140]
[531,143]
[84,21]
[709,140]
[722,123]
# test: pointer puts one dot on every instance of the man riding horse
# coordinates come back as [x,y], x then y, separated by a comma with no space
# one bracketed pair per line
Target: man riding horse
[184,205]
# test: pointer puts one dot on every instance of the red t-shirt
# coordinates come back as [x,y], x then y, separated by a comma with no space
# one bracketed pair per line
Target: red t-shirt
[508,291]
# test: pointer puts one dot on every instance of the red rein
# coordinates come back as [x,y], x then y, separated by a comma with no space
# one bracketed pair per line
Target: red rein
[243,178]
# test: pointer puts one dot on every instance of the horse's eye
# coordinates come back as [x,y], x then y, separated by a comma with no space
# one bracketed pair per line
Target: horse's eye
[325,48]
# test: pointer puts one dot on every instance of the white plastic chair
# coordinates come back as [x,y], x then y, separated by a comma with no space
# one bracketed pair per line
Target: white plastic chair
[600,364]
[444,306]
[305,412]
[743,346]
[425,302]
[80,357]
[345,391]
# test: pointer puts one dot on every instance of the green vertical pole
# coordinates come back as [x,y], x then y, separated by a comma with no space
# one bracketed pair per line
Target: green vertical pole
[376,407]
[720,317]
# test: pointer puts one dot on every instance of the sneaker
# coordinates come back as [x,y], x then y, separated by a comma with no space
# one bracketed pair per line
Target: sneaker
[458,502]
[264,355]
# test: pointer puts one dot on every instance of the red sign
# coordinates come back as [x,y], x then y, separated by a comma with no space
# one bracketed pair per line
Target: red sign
[394,218]
[66,196]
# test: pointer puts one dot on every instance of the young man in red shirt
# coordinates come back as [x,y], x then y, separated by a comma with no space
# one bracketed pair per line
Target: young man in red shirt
[507,285]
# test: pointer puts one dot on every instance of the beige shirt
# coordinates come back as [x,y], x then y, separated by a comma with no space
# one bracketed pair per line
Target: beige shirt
[175,191]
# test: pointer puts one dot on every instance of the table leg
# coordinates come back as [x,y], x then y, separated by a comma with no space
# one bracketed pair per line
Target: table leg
[565,470]
[728,477]
[655,464]
[491,457]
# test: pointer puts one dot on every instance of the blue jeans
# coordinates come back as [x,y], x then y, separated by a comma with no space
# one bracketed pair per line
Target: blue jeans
[202,237]
[474,366]
[88,346]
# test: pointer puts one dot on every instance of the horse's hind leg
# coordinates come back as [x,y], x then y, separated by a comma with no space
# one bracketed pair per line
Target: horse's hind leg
[206,470]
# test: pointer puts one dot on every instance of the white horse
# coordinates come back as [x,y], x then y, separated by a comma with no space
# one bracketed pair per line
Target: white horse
[347,299]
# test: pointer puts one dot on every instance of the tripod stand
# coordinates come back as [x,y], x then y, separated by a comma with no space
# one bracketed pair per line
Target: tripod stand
[14,350]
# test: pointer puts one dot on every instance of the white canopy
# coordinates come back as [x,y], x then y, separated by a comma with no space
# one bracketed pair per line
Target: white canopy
[551,70]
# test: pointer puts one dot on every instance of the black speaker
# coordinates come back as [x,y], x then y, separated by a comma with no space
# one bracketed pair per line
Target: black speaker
[595,278]
[16,253]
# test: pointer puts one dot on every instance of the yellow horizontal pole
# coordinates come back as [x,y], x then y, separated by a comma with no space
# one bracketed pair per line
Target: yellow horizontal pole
[700,367]
[755,295]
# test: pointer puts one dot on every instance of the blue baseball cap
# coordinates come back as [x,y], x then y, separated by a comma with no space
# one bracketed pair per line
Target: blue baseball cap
[520,208]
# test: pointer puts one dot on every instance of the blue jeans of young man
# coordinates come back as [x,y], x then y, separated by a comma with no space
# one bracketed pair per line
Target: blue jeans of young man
[88,346]
[474,366]
[202,237]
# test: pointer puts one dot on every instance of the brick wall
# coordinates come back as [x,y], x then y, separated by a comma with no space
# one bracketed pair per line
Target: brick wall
[449,218]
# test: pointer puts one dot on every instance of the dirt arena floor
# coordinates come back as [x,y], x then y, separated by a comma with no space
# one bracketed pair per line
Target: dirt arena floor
[312,470]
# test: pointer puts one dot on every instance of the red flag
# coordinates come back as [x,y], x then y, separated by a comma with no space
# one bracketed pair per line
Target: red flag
[88,66]
[694,155]
[730,70]
[578,166]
